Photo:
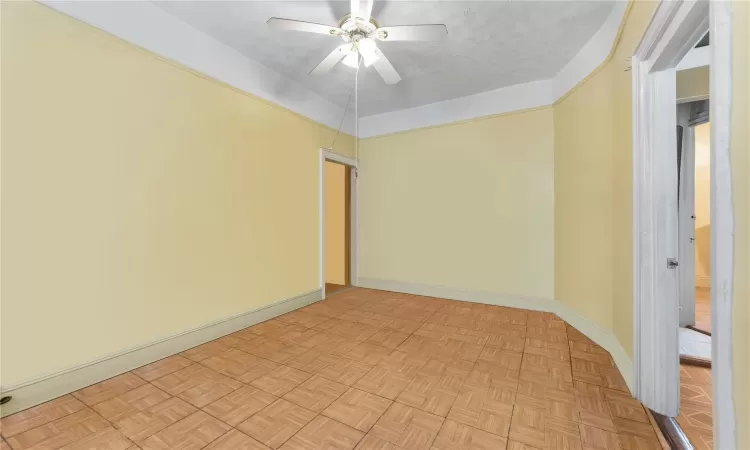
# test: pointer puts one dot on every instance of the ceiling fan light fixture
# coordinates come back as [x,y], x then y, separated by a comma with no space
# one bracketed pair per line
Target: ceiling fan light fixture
[352,59]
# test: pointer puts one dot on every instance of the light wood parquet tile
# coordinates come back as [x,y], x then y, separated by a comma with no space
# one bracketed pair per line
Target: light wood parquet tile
[345,371]
[383,382]
[139,399]
[404,325]
[107,389]
[388,338]
[412,372]
[191,433]
[562,434]
[528,426]
[457,436]
[624,406]
[333,344]
[281,380]
[432,394]
[369,353]
[40,415]
[515,445]
[323,433]
[304,319]
[594,411]
[596,439]
[632,442]
[236,440]
[407,427]
[486,409]
[486,376]
[278,422]
[162,367]
[370,442]
[238,406]
[272,326]
[445,333]
[239,365]
[407,364]
[316,394]
[625,426]
[312,361]
[58,433]
[197,385]
[106,439]
[204,351]
[272,349]
[358,409]
[141,424]
[507,343]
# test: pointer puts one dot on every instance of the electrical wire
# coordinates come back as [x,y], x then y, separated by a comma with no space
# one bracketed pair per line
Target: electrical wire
[356,106]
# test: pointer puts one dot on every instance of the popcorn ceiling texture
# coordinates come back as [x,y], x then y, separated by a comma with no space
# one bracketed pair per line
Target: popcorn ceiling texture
[490,44]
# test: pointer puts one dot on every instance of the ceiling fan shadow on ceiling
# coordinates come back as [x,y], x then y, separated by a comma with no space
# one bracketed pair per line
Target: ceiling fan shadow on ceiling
[360,33]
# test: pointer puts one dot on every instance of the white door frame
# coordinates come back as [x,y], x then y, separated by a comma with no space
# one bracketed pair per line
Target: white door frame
[675,27]
[328,155]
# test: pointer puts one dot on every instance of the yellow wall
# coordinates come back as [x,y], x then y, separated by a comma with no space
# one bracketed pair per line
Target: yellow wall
[335,187]
[740,154]
[693,83]
[467,205]
[703,205]
[140,200]
[594,189]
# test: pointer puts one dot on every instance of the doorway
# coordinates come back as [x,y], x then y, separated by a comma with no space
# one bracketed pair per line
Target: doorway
[674,30]
[338,222]
[694,209]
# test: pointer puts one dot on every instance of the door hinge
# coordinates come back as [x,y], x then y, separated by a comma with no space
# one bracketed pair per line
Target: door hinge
[672,263]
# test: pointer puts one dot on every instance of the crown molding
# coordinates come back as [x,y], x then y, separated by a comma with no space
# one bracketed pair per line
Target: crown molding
[508,99]
[155,30]
[149,27]
[519,97]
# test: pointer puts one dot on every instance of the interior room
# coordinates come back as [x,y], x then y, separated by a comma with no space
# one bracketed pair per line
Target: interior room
[372,225]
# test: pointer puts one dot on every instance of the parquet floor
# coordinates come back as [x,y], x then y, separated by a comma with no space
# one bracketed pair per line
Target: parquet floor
[696,415]
[365,370]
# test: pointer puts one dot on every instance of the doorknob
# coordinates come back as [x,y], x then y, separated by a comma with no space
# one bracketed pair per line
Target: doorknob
[672,263]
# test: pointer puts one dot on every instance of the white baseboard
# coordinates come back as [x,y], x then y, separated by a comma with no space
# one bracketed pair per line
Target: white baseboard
[34,392]
[603,337]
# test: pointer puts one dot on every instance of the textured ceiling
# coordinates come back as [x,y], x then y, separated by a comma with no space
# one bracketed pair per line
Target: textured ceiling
[490,44]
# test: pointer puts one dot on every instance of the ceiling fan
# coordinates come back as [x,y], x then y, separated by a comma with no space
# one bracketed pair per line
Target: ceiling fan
[360,33]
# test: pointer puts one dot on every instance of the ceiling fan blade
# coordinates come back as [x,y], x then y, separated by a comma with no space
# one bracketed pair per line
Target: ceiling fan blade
[331,60]
[298,25]
[413,33]
[367,12]
[354,8]
[385,69]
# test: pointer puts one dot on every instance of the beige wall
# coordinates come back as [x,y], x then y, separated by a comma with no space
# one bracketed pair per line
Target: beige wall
[594,189]
[703,205]
[693,84]
[140,200]
[335,187]
[740,154]
[467,205]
